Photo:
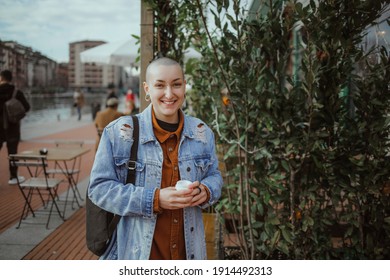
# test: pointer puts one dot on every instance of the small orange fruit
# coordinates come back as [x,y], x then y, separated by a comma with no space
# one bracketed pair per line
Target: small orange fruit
[298,214]
[225,100]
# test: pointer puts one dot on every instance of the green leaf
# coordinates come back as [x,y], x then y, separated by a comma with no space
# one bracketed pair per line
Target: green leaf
[217,21]
[273,221]
[282,246]
[285,165]
[260,208]
[275,238]
[287,235]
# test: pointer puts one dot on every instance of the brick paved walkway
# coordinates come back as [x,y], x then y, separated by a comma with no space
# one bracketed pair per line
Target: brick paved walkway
[35,241]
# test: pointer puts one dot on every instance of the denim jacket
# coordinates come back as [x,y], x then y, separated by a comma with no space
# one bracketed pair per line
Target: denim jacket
[107,189]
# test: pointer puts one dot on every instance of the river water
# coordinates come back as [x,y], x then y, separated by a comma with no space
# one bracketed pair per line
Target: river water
[59,107]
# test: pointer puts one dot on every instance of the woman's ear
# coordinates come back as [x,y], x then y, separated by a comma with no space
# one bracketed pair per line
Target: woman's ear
[146,87]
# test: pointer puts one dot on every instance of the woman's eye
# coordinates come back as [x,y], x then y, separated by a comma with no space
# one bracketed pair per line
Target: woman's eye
[159,86]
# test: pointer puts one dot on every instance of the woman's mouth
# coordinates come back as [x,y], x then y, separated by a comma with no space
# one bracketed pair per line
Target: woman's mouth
[168,102]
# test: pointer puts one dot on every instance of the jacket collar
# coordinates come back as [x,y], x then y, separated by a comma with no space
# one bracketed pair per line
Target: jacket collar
[147,135]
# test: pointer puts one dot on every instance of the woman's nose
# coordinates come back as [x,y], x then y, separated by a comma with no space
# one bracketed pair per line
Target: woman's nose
[168,91]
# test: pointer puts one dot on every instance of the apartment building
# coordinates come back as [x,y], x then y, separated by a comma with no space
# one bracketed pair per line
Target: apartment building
[91,76]
[62,76]
[31,70]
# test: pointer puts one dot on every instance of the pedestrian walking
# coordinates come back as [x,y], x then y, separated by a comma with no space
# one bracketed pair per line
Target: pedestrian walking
[78,98]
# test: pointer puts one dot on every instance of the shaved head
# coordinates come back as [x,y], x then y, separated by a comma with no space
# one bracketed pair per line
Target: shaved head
[163,61]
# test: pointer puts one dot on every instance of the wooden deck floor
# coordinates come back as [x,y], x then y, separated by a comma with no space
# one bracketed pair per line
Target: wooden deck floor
[67,242]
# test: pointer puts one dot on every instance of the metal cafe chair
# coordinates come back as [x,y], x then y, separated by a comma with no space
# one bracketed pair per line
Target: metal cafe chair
[71,173]
[37,183]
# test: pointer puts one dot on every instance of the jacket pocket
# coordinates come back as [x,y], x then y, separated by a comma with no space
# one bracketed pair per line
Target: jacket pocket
[122,170]
[202,166]
[139,174]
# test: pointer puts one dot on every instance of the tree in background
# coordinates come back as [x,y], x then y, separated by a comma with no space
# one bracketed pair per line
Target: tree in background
[303,134]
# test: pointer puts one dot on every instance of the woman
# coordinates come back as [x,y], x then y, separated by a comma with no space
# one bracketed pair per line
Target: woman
[158,221]
[130,108]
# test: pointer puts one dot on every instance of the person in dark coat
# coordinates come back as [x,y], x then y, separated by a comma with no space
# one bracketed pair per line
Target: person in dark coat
[10,132]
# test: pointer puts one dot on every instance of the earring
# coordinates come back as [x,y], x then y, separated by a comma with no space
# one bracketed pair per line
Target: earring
[147,97]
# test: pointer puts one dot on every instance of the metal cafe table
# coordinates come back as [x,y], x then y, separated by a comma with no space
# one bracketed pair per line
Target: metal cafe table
[67,162]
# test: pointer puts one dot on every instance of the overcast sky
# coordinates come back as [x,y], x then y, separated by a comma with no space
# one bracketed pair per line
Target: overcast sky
[48,26]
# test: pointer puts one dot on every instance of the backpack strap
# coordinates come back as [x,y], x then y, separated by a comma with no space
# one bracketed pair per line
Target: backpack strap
[131,166]
[14,93]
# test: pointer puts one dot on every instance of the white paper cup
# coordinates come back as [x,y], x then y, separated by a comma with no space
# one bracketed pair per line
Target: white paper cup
[182,184]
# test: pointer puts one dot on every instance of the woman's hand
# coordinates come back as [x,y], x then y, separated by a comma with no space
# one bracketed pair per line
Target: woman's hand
[172,199]
[199,194]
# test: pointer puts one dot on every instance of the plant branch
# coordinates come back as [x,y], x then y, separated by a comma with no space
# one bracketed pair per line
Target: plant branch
[232,142]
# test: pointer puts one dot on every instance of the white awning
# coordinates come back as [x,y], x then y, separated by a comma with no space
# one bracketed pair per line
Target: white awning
[120,53]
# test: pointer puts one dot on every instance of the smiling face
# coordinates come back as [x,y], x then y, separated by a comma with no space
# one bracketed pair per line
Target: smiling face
[166,86]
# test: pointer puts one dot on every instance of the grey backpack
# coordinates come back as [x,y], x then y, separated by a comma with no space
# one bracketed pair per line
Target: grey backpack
[14,110]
